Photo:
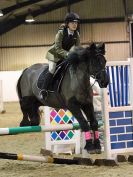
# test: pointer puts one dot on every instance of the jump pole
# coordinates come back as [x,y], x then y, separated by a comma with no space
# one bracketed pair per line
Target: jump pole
[22,157]
[33,158]
[31,129]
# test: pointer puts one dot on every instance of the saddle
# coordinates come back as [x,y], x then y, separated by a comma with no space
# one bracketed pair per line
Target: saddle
[55,83]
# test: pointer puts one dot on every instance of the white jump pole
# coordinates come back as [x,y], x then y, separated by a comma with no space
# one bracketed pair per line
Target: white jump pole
[105,110]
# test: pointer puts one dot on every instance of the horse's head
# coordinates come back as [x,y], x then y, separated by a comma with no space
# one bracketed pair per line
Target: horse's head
[97,64]
[93,61]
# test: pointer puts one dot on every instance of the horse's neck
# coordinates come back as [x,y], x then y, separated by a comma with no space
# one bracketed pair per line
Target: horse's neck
[81,72]
[79,76]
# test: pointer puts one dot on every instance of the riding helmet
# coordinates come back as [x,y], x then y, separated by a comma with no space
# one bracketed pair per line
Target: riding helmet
[71,17]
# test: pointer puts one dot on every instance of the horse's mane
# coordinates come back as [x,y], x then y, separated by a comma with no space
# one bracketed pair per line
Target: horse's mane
[77,55]
[83,54]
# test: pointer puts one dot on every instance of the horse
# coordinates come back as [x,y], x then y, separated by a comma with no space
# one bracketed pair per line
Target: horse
[75,93]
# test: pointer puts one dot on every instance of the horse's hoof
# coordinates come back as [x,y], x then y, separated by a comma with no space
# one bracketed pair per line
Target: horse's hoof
[23,124]
[35,123]
[97,146]
[89,147]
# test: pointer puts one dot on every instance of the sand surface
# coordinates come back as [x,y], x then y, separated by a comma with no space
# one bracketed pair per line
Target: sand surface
[32,143]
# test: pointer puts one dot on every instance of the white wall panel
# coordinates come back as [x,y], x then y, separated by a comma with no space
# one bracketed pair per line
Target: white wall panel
[9,80]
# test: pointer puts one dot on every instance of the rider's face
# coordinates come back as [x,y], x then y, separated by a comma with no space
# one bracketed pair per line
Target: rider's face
[72,26]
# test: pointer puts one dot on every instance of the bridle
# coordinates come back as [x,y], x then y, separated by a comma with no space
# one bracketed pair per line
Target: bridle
[96,74]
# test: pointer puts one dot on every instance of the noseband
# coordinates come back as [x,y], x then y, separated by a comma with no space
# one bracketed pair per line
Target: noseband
[94,76]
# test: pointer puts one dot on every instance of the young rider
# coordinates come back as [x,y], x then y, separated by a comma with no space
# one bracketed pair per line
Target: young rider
[65,39]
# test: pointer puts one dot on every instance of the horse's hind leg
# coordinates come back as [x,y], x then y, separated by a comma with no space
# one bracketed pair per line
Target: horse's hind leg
[34,115]
[24,107]
[89,112]
[29,106]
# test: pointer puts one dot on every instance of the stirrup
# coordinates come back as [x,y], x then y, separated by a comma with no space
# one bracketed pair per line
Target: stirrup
[42,95]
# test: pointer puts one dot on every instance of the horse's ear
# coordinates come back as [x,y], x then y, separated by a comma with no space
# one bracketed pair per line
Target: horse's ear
[92,46]
[101,48]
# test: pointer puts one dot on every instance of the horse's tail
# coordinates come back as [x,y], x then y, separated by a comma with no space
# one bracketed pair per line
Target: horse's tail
[18,86]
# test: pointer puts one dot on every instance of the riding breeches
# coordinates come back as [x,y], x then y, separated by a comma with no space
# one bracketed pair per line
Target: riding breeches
[52,66]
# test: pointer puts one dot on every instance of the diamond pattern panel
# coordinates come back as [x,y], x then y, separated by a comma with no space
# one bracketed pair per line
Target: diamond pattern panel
[61,116]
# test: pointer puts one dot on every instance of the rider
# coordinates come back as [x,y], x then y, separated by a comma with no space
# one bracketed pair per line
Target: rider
[65,39]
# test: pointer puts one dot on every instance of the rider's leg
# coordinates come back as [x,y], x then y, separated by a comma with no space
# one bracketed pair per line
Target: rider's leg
[52,66]
[49,76]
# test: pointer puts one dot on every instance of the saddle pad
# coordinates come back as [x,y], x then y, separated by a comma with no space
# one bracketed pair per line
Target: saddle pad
[57,78]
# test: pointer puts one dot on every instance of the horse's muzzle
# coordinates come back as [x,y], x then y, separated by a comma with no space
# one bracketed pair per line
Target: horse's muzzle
[103,84]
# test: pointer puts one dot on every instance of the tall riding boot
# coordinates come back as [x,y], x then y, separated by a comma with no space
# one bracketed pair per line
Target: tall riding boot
[46,83]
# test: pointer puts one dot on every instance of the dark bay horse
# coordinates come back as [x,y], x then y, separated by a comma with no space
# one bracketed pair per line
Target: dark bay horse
[75,93]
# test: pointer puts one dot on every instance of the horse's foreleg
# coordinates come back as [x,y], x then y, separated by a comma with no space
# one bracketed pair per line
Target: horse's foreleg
[75,109]
[89,112]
